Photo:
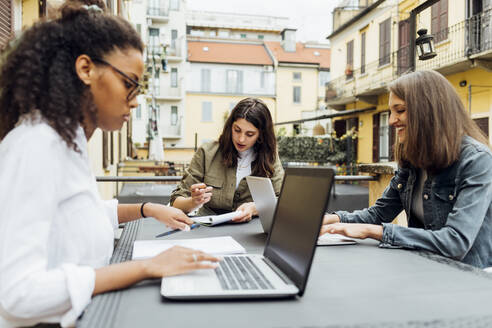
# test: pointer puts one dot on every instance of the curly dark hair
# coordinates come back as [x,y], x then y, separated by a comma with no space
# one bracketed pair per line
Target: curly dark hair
[38,70]
[255,112]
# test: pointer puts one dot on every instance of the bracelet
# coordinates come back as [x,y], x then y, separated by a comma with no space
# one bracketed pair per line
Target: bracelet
[141,209]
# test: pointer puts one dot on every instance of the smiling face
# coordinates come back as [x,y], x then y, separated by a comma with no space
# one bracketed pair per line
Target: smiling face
[398,116]
[110,89]
[244,135]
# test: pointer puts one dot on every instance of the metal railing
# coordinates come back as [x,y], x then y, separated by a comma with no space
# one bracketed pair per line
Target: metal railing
[456,42]
[157,11]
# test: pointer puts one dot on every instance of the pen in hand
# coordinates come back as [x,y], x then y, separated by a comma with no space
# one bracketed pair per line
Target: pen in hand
[167,233]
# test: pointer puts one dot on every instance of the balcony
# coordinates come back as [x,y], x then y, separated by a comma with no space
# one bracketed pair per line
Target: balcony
[158,14]
[169,131]
[168,93]
[462,46]
[174,51]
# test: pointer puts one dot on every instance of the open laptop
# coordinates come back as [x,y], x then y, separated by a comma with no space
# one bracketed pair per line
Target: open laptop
[264,197]
[265,200]
[283,269]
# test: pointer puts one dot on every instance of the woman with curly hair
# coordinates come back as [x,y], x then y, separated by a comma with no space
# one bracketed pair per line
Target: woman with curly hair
[444,180]
[215,182]
[63,79]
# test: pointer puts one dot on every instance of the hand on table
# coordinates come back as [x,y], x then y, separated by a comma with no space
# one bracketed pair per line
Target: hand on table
[170,216]
[248,210]
[177,260]
[354,230]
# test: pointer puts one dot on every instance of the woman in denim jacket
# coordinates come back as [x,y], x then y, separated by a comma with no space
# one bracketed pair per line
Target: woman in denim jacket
[444,180]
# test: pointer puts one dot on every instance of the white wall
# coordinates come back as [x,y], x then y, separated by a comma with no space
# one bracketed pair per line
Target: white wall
[251,78]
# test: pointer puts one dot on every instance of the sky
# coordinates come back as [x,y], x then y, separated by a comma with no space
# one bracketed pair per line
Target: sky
[312,18]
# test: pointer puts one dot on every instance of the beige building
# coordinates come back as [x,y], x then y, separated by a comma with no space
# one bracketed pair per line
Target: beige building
[301,72]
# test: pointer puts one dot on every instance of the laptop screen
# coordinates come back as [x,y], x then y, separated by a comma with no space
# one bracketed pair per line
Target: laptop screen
[298,216]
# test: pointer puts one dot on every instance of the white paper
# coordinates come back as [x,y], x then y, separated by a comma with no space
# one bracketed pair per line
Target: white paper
[211,220]
[335,239]
[215,245]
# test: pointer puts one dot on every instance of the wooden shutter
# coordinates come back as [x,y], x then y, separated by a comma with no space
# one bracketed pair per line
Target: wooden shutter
[392,138]
[375,138]
[439,20]
[5,22]
[384,42]
[483,124]
[403,46]
[363,53]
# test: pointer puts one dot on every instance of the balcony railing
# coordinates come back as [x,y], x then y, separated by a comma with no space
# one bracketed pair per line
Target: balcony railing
[479,32]
[171,131]
[157,12]
[472,36]
[174,48]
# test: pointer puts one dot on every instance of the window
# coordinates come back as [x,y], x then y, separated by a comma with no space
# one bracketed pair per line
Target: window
[138,112]
[139,29]
[261,37]
[158,112]
[174,37]
[439,20]
[174,5]
[324,78]
[234,81]
[174,77]
[262,79]
[297,95]
[6,21]
[383,137]
[156,85]
[223,33]
[403,53]
[154,44]
[174,115]
[363,53]
[297,76]
[205,80]
[384,42]
[349,70]
[206,111]
[243,36]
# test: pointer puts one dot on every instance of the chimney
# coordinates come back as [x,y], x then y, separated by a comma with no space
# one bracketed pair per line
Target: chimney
[289,39]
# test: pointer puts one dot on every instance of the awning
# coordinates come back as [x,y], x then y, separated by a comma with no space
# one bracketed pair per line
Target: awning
[322,117]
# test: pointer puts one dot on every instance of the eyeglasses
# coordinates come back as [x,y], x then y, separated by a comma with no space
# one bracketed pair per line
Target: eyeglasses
[135,86]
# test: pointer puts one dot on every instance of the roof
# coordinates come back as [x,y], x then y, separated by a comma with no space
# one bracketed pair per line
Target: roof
[303,55]
[228,53]
[355,18]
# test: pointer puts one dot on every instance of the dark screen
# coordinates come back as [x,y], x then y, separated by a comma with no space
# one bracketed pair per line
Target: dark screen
[297,221]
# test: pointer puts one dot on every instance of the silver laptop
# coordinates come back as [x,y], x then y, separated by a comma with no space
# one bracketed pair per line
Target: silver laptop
[265,200]
[264,197]
[283,269]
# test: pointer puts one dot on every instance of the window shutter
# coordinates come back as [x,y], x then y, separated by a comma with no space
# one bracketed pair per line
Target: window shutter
[392,138]
[375,138]
[483,124]
[5,22]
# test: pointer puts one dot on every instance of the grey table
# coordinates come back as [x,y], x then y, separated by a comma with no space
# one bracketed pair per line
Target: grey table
[349,286]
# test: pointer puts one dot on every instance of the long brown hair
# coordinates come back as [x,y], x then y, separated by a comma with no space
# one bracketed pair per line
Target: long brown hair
[255,112]
[436,121]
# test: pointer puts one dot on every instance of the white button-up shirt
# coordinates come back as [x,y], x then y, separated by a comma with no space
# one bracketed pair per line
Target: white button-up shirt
[54,227]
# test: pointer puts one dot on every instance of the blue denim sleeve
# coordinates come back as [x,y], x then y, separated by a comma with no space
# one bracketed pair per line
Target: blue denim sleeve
[473,199]
[385,209]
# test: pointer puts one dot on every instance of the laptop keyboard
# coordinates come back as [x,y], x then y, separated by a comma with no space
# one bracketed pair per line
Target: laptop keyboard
[239,272]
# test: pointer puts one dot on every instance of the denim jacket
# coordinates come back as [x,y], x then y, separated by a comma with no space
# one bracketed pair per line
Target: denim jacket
[457,209]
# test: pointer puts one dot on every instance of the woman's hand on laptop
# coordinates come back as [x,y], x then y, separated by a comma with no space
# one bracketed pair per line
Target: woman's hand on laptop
[354,230]
[170,216]
[177,260]
[247,212]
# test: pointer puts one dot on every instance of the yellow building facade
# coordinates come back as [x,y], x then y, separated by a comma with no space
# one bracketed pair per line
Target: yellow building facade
[371,50]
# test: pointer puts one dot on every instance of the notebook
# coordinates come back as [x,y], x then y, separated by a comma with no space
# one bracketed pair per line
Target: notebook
[211,220]
[283,269]
[264,197]
[214,245]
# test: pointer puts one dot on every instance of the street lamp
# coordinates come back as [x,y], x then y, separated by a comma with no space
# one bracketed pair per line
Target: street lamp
[412,30]
[425,45]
